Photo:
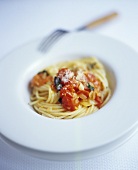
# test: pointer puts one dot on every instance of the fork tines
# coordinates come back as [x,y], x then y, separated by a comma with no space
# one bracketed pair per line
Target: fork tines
[47,42]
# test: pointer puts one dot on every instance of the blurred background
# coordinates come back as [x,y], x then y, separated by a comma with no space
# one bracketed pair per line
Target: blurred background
[22,21]
[25,20]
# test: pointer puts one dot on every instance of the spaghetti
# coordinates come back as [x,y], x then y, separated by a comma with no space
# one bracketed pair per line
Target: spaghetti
[71,89]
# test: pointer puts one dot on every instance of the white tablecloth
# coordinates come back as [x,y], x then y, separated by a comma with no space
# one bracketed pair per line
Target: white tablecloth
[23,21]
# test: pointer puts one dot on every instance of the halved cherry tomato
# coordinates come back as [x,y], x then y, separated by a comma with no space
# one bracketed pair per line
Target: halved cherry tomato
[99,101]
[39,80]
[74,83]
[65,75]
[67,90]
[70,104]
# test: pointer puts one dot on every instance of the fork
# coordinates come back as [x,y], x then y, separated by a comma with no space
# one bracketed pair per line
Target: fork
[50,40]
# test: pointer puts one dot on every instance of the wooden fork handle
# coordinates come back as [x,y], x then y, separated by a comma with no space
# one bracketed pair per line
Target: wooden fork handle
[101,20]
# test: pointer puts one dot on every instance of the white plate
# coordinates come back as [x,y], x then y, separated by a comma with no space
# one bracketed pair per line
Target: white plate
[80,138]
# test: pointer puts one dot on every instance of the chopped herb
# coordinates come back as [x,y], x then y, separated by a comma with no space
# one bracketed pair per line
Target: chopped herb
[91,65]
[59,87]
[57,83]
[60,100]
[44,71]
[90,87]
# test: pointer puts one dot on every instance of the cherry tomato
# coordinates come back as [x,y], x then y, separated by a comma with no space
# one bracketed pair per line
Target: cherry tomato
[65,75]
[39,80]
[74,83]
[67,90]
[99,101]
[70,104]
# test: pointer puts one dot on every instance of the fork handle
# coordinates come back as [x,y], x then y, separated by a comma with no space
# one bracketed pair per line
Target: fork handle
[99,21]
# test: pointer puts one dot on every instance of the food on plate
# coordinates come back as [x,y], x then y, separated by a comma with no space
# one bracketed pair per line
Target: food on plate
[70,89]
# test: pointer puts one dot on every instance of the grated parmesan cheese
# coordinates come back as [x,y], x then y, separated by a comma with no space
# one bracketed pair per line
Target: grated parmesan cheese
[80,76]
[68,75]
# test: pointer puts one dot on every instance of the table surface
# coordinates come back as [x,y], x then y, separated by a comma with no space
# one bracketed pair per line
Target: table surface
[23,21]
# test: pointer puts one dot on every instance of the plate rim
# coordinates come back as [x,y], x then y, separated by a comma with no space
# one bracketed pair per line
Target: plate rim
[36,42]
